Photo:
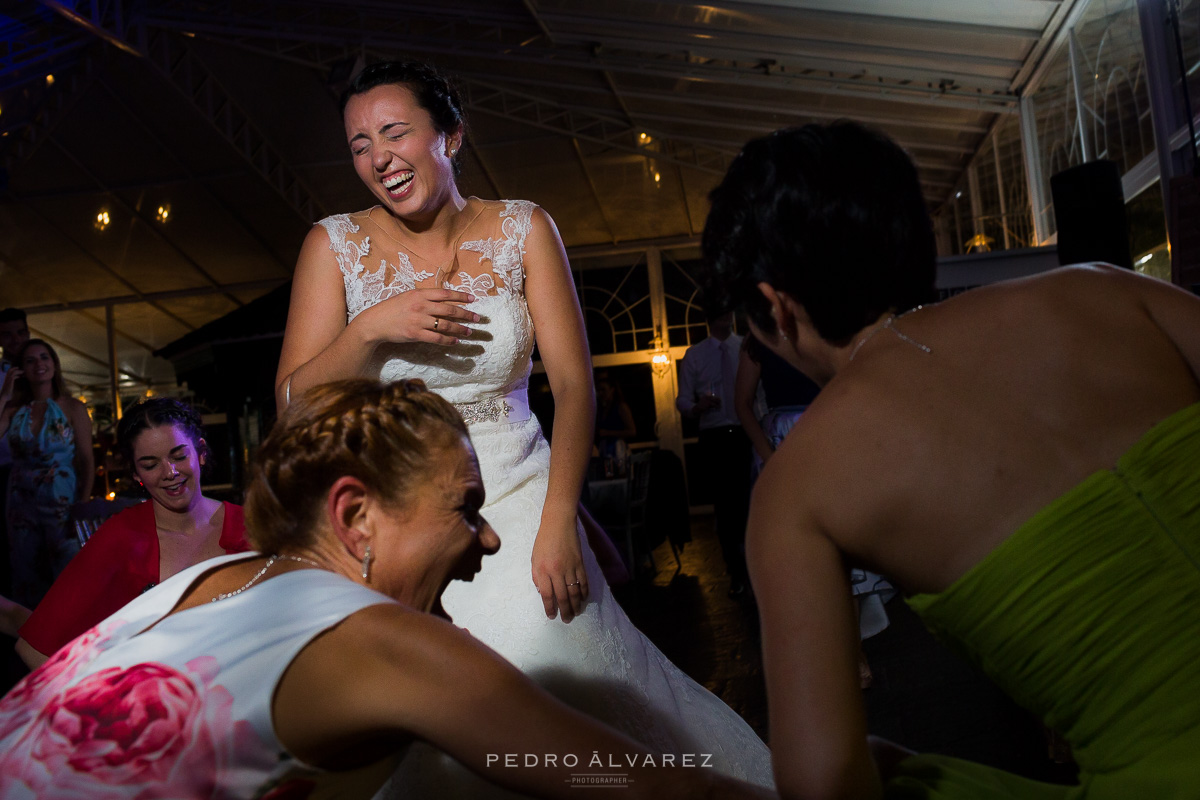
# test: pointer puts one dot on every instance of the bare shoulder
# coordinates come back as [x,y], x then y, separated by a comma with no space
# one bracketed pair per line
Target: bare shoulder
[74,409]
[317,238]
[396,635]
[71,405]
[1097,281]
[855,451]
[384,666]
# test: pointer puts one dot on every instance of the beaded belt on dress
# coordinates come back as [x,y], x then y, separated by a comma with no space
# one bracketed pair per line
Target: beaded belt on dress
[510,407]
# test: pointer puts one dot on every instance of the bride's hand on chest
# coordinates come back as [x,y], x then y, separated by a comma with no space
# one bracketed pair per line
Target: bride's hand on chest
[434,316]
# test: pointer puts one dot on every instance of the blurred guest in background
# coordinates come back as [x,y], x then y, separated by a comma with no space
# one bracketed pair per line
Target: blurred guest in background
[707,376]
[162,440]
[50,434]
[614,419]
[786,391]
[14,333]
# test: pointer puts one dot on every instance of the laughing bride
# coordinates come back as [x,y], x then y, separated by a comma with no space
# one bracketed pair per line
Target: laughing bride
[456,291]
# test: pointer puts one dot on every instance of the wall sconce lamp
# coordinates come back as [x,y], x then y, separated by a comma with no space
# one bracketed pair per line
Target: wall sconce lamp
[660,359]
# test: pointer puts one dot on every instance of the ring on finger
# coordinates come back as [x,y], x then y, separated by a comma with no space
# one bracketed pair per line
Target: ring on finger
[436,322]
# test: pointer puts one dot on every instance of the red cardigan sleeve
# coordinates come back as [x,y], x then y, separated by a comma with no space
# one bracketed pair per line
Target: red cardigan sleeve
[233,530]
[116,565]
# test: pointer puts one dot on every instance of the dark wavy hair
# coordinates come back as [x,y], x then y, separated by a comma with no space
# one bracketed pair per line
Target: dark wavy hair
[386,435]
[22,391]
[433,91]
[832,215]
[155,412]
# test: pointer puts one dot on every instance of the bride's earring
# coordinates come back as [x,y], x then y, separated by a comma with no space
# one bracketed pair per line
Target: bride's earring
[366,565]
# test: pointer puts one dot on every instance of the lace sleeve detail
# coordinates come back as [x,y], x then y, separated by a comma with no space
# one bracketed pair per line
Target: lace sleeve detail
[507,254]
[346,253]
[349,255]
[365,288]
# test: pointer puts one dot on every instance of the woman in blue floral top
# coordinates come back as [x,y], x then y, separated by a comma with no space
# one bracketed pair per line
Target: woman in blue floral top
[51,439]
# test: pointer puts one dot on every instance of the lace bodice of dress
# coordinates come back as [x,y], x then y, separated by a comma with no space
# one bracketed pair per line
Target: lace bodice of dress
[488,263]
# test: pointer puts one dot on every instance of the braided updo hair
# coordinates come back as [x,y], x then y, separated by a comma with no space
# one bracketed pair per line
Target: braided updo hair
[433,91]
[155,412]
[385,435]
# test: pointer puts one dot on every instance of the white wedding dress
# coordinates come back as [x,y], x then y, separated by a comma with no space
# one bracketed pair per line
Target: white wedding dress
[599,663]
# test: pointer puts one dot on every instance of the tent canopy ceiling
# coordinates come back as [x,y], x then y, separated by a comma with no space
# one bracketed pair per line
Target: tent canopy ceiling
[209,136]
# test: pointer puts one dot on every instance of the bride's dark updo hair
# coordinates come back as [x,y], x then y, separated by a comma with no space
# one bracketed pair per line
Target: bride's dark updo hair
[433,91]
[385,435]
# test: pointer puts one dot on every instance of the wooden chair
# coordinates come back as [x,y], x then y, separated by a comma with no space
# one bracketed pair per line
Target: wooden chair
[634,523]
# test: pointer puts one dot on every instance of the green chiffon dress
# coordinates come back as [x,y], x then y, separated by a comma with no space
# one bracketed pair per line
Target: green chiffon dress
[1089,616]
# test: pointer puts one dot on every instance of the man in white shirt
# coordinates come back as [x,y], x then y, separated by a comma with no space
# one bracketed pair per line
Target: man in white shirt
[707,375]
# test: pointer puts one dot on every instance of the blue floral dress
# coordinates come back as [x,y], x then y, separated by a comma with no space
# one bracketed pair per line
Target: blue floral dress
[41,490]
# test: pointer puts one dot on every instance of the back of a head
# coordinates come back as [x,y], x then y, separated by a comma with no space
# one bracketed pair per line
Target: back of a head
[12,315]
[831,214]
[385,435]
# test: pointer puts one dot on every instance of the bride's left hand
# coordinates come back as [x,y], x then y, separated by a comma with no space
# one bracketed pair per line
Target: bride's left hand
[558,572]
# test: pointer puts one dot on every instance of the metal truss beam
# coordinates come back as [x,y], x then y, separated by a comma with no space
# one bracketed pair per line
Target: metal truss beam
[47,106]
[194,180]
[104,266]
[104,19]
[846,57]
[184,71]
[496,39]
[65,304]
[578,123]
[137,214]
[782,106]
[587,173]
[20,57]
[153,297]
[803,15]
[61,345]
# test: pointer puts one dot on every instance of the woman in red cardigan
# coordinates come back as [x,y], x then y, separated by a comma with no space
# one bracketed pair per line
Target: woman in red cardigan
[163,441]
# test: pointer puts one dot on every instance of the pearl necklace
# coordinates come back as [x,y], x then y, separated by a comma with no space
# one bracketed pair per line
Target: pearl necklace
[888,325]
[270,562]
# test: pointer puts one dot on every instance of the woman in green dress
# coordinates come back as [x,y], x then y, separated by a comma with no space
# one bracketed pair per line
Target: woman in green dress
[1023,459]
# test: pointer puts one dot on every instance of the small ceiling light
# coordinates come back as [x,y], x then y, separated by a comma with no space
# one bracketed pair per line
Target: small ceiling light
[164,212]
[644,138]
[49,80]
[102,220]
[658,178]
